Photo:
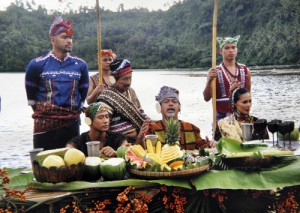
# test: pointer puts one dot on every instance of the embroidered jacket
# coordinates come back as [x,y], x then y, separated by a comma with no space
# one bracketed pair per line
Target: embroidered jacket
[62,83]
[190,137]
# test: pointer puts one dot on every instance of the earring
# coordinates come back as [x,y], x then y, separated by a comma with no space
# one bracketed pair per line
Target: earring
[112,79]
[158,107]
[88,121]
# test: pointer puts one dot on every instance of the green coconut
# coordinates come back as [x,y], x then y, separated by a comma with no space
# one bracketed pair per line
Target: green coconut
[121,151]
[92,169]
[113,169]
[294,135]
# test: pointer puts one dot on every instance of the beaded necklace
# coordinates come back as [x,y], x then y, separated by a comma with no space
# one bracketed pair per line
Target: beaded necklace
[233,76]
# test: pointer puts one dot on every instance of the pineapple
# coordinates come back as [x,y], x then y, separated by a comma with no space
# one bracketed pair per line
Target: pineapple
[171,150]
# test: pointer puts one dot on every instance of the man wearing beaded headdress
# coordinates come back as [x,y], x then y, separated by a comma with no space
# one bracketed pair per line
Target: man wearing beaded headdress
[107,56]
[168,105]
[127,115]
[97,117]
[56,86]
[229,76]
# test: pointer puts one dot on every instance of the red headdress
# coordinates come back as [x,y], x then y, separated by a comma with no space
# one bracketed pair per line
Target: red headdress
[60,26]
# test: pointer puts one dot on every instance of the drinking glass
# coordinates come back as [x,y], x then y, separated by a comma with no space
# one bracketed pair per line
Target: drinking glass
[273,127]
[260,126]
[291,126]
[283,128]
[93,148]
[277,139]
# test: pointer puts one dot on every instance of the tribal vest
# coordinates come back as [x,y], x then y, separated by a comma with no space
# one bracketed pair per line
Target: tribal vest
[190,138]
[223,85]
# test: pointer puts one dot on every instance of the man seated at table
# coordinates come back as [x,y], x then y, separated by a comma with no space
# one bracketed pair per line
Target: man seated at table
[97,117]
[169,104]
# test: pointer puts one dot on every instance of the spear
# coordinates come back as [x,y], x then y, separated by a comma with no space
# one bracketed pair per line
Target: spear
[99,42]
[214,47]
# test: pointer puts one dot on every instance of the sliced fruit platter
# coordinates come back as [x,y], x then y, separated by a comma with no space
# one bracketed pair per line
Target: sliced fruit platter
[165,161]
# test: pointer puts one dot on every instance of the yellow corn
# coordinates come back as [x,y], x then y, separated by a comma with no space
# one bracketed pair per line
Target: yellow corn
[142,150]
[149,146]
[158,148]
[138,151]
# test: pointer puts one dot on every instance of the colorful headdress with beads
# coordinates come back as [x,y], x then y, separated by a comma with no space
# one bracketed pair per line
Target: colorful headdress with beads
[60,26]
[120,67]
[222,41]
[167,92]
[109,53]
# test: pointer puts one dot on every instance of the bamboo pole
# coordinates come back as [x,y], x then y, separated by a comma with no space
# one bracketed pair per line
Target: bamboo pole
[99,42]
[214,61]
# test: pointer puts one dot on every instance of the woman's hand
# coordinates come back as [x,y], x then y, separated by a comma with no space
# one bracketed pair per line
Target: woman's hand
[98,89]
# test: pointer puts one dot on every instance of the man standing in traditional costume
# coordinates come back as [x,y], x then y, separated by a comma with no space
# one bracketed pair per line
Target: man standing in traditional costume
[107,56]
[56,86]
[169,106]
[121,99]
[229,74]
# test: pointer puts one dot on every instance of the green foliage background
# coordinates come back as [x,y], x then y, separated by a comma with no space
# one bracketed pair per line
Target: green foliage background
[177,38]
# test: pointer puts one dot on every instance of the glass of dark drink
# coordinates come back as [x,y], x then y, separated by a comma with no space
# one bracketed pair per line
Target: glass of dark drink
[291,126]
[260,127]
[277,140]
[283,128]
[273,127]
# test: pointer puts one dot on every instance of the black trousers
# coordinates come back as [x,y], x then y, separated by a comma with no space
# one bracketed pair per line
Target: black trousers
[56,138]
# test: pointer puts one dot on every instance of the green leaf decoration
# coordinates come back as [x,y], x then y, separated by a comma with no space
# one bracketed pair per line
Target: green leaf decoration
[18,181]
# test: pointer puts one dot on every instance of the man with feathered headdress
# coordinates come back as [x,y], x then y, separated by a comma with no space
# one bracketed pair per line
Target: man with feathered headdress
[56,86]
[229,76]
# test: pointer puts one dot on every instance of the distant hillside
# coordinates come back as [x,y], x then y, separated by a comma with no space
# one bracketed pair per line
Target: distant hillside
[177,38]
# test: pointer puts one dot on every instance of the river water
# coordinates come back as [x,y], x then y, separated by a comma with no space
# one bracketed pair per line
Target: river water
[274,97]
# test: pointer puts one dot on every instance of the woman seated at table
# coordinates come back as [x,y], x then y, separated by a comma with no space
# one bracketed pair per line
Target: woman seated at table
[230,126]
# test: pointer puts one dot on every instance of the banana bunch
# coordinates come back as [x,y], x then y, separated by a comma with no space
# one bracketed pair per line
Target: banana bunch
[153,149]
[139,151]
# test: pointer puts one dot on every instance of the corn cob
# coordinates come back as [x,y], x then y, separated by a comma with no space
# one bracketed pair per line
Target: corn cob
[149,146]
[158,148]
[138,150]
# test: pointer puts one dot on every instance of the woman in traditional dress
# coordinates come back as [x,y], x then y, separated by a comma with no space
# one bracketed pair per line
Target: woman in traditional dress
[230,126]
[107,56]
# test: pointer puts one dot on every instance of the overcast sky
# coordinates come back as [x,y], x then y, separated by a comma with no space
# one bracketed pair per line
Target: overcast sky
[107,4]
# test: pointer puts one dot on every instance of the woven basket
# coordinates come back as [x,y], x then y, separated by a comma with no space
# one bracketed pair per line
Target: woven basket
[57,175]
[169,175]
